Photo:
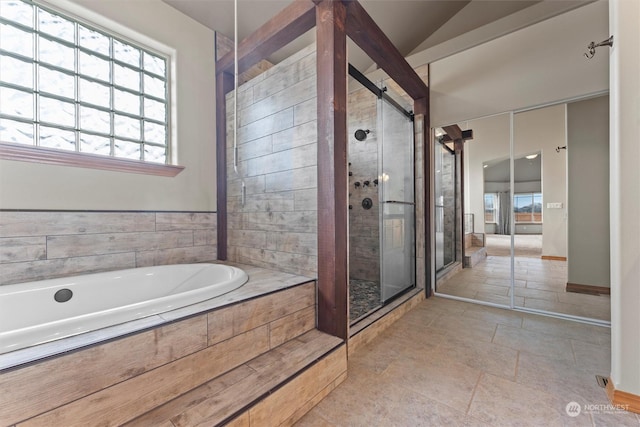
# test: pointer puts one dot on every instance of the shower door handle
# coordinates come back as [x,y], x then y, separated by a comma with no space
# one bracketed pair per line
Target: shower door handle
[399,202]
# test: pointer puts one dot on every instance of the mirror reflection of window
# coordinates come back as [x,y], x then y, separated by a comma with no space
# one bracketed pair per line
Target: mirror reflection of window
[527,207]
[490,207]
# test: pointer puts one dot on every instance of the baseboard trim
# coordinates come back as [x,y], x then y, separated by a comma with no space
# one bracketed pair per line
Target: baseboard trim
[554,258]
[627,401]
[588,289]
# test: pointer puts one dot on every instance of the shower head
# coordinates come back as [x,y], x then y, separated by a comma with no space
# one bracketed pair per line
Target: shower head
[361,134]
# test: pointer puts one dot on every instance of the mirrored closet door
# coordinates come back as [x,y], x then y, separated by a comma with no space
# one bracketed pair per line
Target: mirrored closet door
[536,224]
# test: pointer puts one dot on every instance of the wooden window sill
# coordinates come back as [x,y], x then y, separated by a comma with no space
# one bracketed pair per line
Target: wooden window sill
[49,156]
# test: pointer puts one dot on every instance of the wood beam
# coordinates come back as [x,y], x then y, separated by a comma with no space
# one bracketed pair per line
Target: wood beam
[224,84]
[363,30]
[333,273]
[466,135]
[289,24]
[454,132]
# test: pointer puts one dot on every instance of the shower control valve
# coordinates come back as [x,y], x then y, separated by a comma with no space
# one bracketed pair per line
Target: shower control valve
[357,184]
[375,182]
[365,184]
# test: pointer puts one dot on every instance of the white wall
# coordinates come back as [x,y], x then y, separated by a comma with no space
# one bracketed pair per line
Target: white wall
[490,142]
[588,180]
[539,64]
[34,186]
[625,195]
[544,129]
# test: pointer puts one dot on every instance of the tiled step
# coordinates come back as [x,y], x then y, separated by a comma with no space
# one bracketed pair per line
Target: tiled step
[474,255]
[238,392]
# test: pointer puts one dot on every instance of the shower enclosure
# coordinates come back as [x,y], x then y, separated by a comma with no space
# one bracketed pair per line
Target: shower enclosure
[445,202]
[381,198]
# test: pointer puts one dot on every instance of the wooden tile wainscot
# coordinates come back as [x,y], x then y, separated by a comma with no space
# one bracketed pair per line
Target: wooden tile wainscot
[258,361]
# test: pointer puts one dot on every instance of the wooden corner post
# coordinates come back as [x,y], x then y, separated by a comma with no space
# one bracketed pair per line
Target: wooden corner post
[333,273]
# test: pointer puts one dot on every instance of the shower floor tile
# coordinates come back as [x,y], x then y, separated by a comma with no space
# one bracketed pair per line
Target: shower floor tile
[364,297]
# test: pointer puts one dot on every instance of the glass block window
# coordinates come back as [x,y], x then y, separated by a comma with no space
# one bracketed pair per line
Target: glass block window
[67,85]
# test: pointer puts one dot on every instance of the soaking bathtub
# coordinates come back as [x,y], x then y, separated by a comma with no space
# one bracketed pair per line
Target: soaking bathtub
[39,312]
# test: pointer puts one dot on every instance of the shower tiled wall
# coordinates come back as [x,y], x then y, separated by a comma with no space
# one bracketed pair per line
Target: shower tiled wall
[36,245]
[364,224]
[276,227]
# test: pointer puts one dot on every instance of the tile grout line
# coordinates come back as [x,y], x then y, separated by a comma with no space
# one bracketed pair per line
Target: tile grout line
[495,331]
[473,394]
[573,351]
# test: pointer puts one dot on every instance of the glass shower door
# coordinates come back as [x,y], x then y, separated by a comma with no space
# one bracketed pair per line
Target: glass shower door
[445,204]
[397,216]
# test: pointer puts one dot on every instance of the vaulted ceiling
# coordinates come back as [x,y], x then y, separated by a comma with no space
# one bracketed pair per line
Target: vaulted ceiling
[412,25]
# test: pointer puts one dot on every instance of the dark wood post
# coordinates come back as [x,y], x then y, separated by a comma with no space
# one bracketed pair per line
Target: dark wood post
[421,110]
[459,137]
[333,274]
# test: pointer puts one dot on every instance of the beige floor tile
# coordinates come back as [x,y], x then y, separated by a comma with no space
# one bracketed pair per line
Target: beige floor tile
[587,311]
[518,283]
[566,329]
[494,315]
[501,273]
[443,304]
[459,292]
[445,381]
[604,416]
[561,379]
[498,281]
[575,298]
[488,357]
[437,366]
[498,299]
[490,289]
[407,408]
[550,346]
[592,357]
[539,283]
[358,401]
[494,403]
[459,326]
[535,293]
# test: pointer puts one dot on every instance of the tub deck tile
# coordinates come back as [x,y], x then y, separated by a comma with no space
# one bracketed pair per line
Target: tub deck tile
[219,399]
[146,391]
[55,382]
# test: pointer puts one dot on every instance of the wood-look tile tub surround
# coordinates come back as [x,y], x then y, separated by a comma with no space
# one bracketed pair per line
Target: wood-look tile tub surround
[37,245]
[114,382]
